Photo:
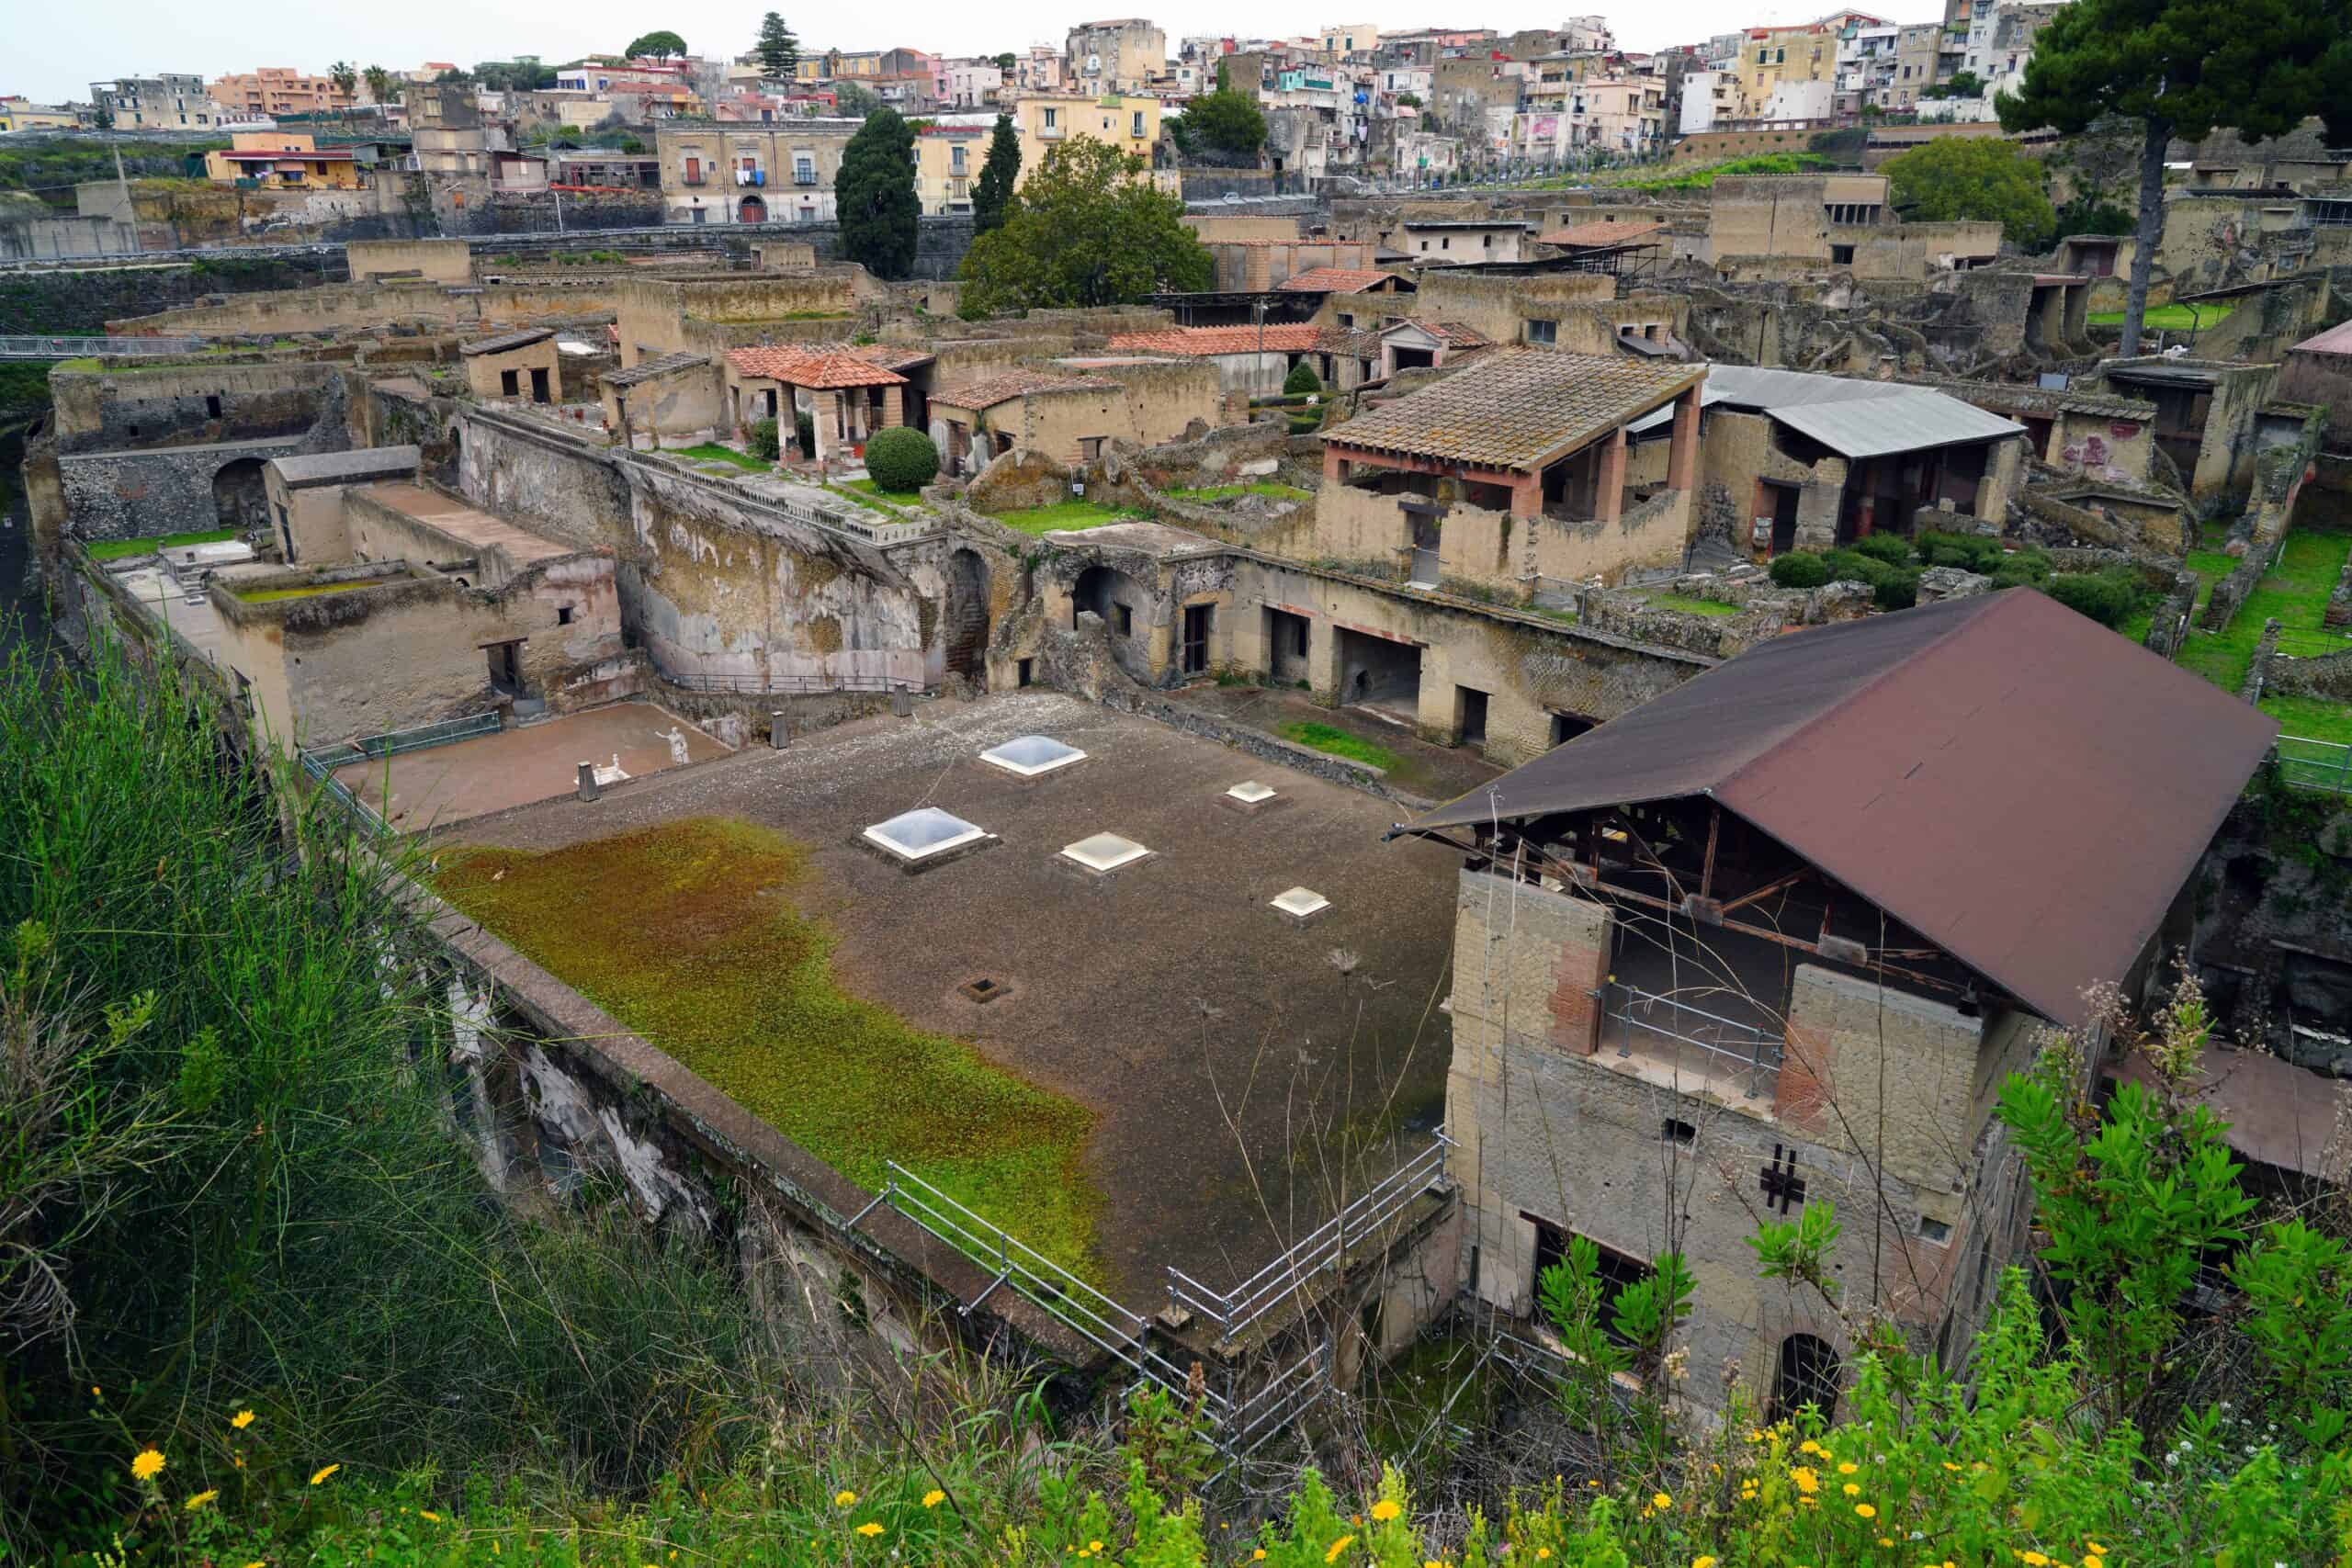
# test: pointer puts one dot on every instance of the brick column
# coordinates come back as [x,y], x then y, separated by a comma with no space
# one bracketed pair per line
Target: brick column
[1682,455]
[823,417]
[1335,466]
[1527,495]
[1610,486]
[894,406]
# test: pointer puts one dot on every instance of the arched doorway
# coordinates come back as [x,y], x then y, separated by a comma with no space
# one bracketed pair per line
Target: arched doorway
[1807,1375]
[753,211]
[1124,605]
[239,499]
[968,616]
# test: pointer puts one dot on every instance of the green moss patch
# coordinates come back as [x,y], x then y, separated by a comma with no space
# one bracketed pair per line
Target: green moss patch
[1338,743]
[308,590]
[1227,493]
[1066,516]
[122,549]
[1691,606]
[686,932]
[712,452]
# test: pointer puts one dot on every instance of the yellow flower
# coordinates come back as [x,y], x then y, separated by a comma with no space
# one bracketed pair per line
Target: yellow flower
[1807,1481]
[1386,1510]
[1542,1553]
[1702,1562]
[2033,1559]
[1338,1547]
[1851,1489]
[843,1499]
[241,1419]
[322,1474]
[238,1460]
[1887,1541]
[1093,1546]
[1948,1465]
[1808,1447]
[869,1530]
[2093,1559]
[147,1465]
[1848,1467]
[201,1498]
[257,1563]
[428,1516]
[1864,1510]
[2095,1549]
[933,1498]
[1661,1501]
[1259,1555]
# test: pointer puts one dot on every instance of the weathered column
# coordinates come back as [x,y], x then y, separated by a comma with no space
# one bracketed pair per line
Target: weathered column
[1610,486]
[1682,455]
[894,406]
[589,788]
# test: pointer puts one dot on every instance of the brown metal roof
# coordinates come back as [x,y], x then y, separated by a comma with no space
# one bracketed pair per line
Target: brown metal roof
[2275,1111]
[2010,778]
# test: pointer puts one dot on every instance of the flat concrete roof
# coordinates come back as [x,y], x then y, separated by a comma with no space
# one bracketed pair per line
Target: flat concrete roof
[444,784]
[466,524]
[1221,1044]
[300,470]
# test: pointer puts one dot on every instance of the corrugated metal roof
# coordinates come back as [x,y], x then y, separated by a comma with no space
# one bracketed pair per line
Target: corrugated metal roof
[2010,778]
[522,337]
[1518,410]
[1874,427]
[651,370]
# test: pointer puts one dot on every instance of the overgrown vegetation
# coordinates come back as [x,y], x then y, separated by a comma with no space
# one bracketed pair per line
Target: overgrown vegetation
[123,550]
[708,958]
[1338,743]
[712,452]
[1703,177]
[1085,228]
[1890,565]
[1064,516]
[2294,592]
[1987,179]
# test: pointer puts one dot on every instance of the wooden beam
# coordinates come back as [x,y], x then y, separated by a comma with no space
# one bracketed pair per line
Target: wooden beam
[1707,867]
[1776,885]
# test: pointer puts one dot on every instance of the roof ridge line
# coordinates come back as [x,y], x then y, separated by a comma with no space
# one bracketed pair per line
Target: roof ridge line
[1885,673]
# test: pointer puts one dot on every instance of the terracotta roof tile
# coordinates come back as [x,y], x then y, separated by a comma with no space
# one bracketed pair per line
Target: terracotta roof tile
[821,369]
[1335,280]
[1601,231]
[993,389]
[1518,410]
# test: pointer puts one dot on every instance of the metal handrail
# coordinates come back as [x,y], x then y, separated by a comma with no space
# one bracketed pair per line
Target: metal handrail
[27,346]
[1071,1302]
[1764,1047]
[1324,1247]
[2315,764]
[803,685]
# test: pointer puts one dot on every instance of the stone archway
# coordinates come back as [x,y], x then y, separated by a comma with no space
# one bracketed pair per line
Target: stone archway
[966,621]
[239,499]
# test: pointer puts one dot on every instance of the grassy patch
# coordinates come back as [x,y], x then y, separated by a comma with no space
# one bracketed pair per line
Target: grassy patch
[897,497]
[1702,178]
[1691,606]
[2210,566]
[2295,593]
[739,986]
[864,498]
[1338,743]
[308,590]
[2169,317]
[1066,516]
[2312,718]
[1227,493]
[121,549]
[712,452]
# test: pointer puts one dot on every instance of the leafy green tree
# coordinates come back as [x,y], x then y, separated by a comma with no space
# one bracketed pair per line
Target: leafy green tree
[1301,381]
[1225,122]
[346,77]
[992,193]
[1963,84]
[779,52]
[854,101]
[2182,68]
[1087,229]
[661,45]
[1006,61]
[1986,178]
[875,196]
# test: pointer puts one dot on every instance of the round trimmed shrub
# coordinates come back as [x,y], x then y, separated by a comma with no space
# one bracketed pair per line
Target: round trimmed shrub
[2107,597]
[1301,381]
[1892,548]
[901,459]
[759,440]
[1800,569]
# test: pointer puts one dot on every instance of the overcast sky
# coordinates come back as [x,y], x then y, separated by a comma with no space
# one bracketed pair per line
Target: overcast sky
[58,56]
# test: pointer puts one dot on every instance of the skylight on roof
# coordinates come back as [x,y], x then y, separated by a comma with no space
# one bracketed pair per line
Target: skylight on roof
[1300,902]
[1029,755]
[1104,851]
[923,833]
[1249,792]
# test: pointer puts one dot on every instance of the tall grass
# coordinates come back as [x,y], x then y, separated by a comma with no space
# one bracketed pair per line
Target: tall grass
[225,1177]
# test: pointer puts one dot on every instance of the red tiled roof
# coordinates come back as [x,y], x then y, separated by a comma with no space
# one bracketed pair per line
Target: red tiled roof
[1285,337]
[1459,335]
[293,154]
[994,389]
[1335,280]
[820,371]
[1518,411]
[1601,231]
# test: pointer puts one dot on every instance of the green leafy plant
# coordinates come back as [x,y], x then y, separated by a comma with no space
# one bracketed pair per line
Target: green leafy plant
[1301,381]
[759,439]
[901,459]
[875,196]
[1799,568]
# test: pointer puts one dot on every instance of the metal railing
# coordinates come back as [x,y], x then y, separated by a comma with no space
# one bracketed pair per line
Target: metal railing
[1756,1048]
[796,685]
[22,348]
[364,817]
[2322,765]
[1068,1299]
[1323,1249]
[441,732]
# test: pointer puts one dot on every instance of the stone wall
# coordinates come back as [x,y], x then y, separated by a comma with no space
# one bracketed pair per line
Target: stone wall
[173,489]
[83,300]
[191,403]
